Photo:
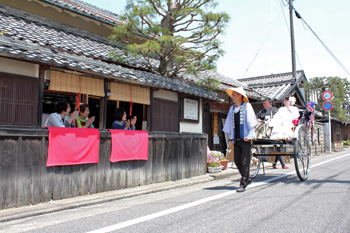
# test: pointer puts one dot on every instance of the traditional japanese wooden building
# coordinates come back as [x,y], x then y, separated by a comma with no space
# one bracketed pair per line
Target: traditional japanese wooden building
[59,49]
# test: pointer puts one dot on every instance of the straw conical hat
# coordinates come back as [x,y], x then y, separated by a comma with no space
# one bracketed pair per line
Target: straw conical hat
[239,90]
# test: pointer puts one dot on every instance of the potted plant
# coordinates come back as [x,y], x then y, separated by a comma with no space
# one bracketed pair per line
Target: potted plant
[213,164]
[220,156]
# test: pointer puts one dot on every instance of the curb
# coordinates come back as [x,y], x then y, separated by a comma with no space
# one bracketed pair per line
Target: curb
[98,198]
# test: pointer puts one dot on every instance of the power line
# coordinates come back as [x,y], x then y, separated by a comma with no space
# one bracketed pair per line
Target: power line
[285,20]
[262,45]
[324,45]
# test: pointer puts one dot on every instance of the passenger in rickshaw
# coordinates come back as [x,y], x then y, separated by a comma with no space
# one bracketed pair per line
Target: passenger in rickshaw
[268,110]
[282,121]
[282,124]
[264,116]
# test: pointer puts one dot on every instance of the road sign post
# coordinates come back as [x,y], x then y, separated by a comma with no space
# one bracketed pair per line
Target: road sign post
[330,135]
[327,95]
[327,106]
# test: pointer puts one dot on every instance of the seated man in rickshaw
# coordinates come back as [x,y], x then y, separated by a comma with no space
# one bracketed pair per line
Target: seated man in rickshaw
[264,116]
[268,110]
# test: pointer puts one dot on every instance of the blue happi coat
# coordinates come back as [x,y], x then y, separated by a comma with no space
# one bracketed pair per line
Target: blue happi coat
[248,121]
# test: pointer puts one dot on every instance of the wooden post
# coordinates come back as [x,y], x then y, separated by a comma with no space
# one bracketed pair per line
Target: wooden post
[215,124]
[39,116]
[103,110]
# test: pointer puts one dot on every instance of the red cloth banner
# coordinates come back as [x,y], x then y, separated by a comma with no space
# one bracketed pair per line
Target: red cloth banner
[70,146]
[129,145]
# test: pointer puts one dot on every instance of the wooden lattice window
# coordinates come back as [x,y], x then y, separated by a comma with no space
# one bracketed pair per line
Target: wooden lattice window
[18,100]
[165,115]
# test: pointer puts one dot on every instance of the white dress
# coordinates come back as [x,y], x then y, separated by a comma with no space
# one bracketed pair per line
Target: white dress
[282,122]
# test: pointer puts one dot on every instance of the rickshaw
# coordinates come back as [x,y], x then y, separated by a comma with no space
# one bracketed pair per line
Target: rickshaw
[298,148]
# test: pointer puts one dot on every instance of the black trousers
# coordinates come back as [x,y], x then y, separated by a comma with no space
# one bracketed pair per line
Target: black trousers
[279,158]
[242,160]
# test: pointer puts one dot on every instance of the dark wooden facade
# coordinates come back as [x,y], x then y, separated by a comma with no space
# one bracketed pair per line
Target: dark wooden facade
[346,131]
[18,100]
[336,127]
[25,179]
[337,135]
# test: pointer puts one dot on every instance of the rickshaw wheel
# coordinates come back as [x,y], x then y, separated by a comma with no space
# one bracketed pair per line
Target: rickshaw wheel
[255,161]
[302,153]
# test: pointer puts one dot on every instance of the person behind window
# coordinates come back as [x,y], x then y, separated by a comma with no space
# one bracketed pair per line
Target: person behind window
[82,120]
[121,122]
[62,117]
[282,124]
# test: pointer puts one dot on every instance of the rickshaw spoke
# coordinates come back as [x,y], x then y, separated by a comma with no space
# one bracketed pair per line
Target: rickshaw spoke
[302,154]
[255,162]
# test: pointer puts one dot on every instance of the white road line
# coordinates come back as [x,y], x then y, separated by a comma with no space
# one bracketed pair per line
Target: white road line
[161,213]
[330,160]
[195,203]
[256,184]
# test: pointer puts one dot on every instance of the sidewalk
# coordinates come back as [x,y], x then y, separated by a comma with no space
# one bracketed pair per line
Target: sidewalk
[75,202]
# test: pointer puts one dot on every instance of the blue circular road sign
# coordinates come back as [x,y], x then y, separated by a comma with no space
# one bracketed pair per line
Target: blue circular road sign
[327,106]
[327,95]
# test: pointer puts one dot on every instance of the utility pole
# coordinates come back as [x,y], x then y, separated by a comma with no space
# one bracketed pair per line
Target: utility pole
[292,38]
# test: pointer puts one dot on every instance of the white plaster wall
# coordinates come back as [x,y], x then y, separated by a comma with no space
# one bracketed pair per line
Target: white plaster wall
[17,67]
[193,127]
[184,126]
[167,95]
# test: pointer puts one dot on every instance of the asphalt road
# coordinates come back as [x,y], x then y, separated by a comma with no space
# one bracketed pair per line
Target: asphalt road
[274,202]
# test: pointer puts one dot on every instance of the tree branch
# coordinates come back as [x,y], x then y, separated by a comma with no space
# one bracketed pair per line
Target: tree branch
[156,8]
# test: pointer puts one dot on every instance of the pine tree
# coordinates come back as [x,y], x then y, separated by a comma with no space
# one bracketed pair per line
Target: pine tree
[181,34]
[340,87]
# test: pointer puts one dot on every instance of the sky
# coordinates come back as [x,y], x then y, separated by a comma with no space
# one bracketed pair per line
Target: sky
[257,38]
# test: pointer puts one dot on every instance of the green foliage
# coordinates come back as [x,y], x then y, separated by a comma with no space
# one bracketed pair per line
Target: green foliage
[214,158]
[181,34]
[346,143]
[213,163]
[117,57]
[209,82]
[340,87]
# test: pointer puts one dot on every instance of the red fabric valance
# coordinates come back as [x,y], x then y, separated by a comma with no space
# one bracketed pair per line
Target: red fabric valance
[129,145]
[70,146]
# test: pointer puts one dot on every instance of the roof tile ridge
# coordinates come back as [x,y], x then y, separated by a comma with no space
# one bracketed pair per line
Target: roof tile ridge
[271,75]
[95,12]
[36,19]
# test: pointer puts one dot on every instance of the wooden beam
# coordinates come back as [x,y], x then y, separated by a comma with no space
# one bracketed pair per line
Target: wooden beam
[103,109]
[39,112]
[215,124]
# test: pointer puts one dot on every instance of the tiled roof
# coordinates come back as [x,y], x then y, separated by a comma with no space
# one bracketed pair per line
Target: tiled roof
[39,39]
[212,73]
[274,86]
[86,9]
[252,94]
[226,82]
[106,16]
[47,33]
